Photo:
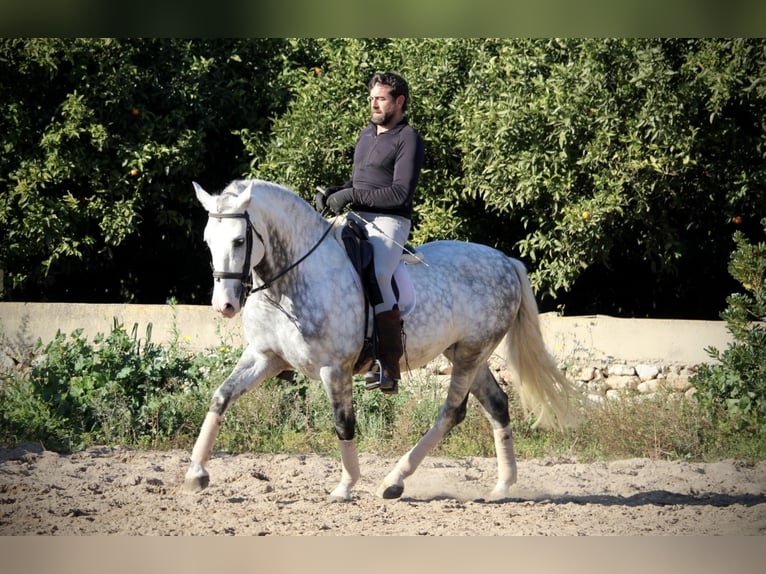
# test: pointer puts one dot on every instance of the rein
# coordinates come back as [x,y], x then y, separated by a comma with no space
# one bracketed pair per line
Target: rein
[245,275]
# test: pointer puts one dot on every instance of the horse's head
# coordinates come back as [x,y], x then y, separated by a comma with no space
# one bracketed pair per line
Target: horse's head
[235,246]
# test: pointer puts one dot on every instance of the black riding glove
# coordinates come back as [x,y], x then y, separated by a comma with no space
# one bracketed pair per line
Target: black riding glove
[320,199]
[338,200]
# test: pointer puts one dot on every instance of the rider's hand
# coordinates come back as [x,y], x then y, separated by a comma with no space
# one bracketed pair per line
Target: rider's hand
[339,199]
[320,198]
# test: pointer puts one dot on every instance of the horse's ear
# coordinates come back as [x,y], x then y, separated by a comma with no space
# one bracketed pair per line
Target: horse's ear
[245,197]
[204,197]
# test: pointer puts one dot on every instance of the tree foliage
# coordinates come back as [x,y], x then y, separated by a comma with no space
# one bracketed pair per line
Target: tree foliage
[620,158]
[101,140]
[615,168]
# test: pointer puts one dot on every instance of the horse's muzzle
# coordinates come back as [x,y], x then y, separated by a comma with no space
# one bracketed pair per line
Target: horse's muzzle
[226,298]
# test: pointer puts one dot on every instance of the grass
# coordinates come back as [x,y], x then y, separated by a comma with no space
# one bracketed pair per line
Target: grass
[157,398]
[662,427]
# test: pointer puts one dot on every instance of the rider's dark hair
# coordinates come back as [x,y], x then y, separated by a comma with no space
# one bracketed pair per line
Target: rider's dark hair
[394,81]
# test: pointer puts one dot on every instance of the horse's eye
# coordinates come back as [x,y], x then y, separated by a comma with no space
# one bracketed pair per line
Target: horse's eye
[239,242]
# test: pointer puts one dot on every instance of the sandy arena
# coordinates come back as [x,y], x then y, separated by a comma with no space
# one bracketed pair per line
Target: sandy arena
[118,491]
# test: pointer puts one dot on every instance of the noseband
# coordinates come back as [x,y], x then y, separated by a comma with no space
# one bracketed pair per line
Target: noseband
[245,276]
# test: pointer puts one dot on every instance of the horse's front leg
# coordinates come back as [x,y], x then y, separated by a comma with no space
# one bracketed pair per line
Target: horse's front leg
[338,384]
[251,369]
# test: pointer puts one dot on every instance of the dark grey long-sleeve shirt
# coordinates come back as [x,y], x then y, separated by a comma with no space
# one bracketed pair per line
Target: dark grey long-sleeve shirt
[386,169]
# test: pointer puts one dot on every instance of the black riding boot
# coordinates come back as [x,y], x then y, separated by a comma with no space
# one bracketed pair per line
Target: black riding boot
[389,353]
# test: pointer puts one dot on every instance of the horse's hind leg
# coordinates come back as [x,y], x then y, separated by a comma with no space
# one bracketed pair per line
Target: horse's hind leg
[251,370]
[449,416]
[494,401]
[452,413]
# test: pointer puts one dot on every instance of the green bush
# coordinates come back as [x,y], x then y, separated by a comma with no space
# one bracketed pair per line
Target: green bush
[115,388]
[122,389]
[734,390]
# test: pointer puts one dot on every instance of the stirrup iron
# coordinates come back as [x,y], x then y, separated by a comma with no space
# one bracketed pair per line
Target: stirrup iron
[372,380]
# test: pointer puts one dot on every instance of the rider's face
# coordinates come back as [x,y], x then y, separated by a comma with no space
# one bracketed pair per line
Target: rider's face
[385,109]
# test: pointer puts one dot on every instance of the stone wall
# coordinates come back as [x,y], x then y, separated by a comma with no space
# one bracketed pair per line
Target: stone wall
[605,355]
[619,379]
[599,381]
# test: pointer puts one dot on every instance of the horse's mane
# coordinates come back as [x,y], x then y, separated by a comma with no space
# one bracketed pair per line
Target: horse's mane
[237,186]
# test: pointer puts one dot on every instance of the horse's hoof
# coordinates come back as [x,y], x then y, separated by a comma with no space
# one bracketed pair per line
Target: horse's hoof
[341,493]
[391,492]
[197,479]
[499,494]
[503,489]
[196,484]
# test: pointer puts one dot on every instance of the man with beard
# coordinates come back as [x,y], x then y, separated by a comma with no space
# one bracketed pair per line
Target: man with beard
[387,161]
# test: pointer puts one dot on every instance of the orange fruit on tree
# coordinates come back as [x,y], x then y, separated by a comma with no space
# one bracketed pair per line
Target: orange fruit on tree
[134,172]
[737,219]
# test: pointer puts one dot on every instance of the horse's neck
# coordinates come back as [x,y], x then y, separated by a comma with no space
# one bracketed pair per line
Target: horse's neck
[289,232]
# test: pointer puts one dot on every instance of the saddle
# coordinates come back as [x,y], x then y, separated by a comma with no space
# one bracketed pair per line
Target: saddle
[359,251]
[354,239]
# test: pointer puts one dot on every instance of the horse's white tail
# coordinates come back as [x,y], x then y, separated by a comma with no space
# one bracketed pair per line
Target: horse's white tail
[542,387]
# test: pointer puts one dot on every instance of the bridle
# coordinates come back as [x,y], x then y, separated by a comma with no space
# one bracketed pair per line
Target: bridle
[245,276]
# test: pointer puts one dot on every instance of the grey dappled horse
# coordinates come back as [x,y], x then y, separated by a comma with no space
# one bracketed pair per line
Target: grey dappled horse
[306,313]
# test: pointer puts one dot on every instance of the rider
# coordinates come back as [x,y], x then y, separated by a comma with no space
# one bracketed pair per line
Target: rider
[387,161]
